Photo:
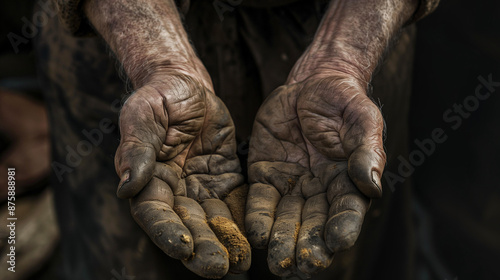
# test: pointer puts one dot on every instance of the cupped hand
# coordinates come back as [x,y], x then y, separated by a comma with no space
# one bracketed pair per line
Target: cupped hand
[177,162]
[316,158]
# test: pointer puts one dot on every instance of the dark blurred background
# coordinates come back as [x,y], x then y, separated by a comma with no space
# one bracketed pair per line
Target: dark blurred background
[456,187]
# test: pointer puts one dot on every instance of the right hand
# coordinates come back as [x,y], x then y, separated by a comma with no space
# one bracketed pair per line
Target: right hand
[177,162]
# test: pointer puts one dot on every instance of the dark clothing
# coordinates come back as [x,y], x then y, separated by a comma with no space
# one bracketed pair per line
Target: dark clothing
[248,54]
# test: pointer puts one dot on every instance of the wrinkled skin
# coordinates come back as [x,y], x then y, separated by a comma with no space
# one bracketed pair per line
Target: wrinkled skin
[177,161]
[316,157]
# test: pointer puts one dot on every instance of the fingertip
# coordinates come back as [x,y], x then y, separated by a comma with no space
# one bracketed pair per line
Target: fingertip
[164,228]
[239,250]
[127,190]
[282,267]
[342,230]
[124,180]
[312,253]
[236,201]
[282,246]
[134,180]
[376,180]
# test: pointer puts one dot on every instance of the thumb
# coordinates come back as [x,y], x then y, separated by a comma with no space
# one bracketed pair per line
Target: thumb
[365,167]
[136,155]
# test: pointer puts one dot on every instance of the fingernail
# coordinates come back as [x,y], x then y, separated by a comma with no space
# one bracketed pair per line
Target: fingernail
[125,179]
[376,180]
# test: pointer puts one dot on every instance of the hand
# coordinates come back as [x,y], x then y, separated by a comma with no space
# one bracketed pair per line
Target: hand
[316,158]
[177,161]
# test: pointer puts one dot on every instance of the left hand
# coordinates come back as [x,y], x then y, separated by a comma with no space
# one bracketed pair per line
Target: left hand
[316,158]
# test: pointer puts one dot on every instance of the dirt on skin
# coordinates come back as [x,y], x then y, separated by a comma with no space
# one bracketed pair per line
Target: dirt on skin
[286,263]
[305,253]
[231,237]
[236,202]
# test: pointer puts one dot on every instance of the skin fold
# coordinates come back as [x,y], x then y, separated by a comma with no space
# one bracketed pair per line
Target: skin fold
[316,152]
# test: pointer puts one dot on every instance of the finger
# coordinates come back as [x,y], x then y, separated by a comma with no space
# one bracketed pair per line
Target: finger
[259,219]
[136,155]
[312,253]
[365,167]
[281,249]
[222,224]
[347,210]
[152,210]
[210,258]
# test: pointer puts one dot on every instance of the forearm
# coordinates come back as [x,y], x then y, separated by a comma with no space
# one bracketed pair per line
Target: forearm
[352,38]
[146,36]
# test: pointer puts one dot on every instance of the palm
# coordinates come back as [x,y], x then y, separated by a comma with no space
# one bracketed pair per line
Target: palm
[178,158]
[313,150]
